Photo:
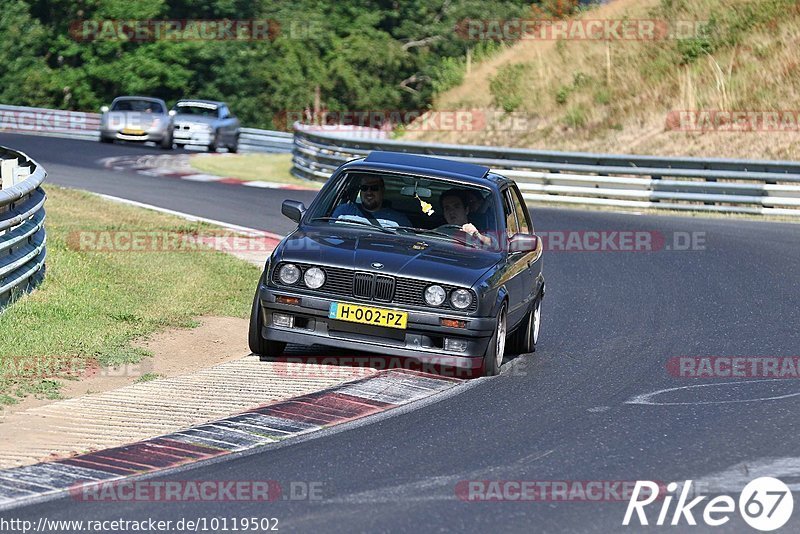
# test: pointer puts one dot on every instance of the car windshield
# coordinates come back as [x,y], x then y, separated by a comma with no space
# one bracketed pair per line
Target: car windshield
[197,108]
[145,106]
[430,207]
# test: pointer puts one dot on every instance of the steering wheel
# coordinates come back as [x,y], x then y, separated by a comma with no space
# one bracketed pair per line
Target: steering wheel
[450,226]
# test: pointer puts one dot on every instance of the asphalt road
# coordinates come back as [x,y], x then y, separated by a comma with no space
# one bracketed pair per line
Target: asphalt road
[612,320]
[74,163]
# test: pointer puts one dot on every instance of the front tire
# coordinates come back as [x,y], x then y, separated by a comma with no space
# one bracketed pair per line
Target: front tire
[264,348]
[495,352]
[166,143]
[527,335]
[234,148]
[212,147]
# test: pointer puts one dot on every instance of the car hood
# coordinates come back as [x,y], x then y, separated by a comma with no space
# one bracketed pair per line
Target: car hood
[194,119]
[133,119]
[420,257]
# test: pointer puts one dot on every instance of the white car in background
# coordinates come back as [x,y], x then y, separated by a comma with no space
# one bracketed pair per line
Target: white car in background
[206,123]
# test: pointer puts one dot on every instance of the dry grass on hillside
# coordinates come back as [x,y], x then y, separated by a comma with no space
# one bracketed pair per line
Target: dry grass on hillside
[616,96]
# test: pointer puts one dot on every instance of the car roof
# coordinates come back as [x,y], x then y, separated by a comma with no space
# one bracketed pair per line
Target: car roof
[380,160]
[147,98]
[200,101]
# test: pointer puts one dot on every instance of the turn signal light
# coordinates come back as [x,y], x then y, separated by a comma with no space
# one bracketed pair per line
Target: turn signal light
[454,323]
[288,300]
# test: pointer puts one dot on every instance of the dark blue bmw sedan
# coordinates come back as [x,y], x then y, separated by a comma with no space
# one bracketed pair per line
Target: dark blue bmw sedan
[403,255]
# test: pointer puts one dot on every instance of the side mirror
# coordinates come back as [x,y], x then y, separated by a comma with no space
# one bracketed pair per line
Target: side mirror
[523,243]
[104,109]
[172,113]
[293,209]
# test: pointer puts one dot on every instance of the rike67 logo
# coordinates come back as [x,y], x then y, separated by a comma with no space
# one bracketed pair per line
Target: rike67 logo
[765,504]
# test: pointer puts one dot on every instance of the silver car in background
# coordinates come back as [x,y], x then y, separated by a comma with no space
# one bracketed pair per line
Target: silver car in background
[137,118]
[206,123]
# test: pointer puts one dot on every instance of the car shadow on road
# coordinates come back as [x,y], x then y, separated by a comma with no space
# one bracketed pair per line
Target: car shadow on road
[318,360]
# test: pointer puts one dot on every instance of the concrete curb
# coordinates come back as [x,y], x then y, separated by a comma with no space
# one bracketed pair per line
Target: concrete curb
[177,167]
[253,428]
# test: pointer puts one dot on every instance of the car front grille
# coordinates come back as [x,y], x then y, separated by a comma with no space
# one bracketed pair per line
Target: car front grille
[363,285]
[341,282]
[384,288]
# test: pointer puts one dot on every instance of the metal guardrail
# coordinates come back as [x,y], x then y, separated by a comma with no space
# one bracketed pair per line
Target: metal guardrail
[696,184]
[82,125]
[50,122]
[255,140]
[22,233]
[691,184]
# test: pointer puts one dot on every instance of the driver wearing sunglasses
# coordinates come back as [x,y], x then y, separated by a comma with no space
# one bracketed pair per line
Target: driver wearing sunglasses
[371,190]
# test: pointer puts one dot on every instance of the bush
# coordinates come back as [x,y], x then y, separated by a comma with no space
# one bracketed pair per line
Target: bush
[602,96]
[576,117]
[562,94]
[507,87]
[691,49]
[449,73]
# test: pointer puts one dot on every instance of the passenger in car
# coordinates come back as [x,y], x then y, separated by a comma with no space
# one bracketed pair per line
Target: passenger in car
[478,209]
[455,208]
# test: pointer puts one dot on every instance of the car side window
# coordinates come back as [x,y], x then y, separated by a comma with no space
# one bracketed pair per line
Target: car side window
[521,211]
[511,217]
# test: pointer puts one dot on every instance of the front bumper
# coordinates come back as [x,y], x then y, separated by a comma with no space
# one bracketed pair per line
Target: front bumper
[192,135]
[153,135]
[422,340]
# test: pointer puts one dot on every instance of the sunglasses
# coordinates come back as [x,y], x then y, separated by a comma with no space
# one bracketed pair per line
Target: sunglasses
[370,188]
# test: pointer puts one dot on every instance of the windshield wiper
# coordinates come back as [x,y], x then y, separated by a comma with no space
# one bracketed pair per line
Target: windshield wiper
[436,233]
[354,221]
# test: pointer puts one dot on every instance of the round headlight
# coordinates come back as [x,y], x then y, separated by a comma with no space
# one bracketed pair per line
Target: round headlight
[461,299]
[289,274]
[314,277]
[434,295]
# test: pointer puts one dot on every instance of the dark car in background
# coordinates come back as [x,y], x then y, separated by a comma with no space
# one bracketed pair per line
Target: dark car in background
[409,256]
[206,123]
[137,119]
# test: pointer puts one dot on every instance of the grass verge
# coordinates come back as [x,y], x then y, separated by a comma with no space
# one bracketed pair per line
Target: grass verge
[93,304]
[264,167]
